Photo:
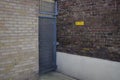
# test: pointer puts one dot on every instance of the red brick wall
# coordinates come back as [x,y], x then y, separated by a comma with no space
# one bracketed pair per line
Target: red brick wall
[18,38]
[99,37]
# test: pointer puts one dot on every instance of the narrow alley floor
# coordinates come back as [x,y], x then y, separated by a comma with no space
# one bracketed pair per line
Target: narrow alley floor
[48,76]
[55,76]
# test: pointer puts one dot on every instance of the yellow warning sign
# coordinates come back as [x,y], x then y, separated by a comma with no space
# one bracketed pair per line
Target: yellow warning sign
[49,0]
[79,23]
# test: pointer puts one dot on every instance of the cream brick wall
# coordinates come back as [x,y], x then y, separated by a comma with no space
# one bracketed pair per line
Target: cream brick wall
[18,37]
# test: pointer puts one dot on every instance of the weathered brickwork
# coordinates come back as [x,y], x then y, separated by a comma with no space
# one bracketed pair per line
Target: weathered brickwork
[18,38]
[100,37]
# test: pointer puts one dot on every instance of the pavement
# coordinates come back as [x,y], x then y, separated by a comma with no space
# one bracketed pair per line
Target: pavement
[55,76]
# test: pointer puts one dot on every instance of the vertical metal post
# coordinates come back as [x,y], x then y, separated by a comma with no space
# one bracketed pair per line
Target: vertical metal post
[56,8]
[55,29]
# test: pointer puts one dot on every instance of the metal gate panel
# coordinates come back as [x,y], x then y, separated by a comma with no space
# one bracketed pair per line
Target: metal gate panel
[48,7]
[47,44]
[47,36]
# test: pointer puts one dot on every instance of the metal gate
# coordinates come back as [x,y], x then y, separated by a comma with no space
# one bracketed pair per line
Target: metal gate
[47,36]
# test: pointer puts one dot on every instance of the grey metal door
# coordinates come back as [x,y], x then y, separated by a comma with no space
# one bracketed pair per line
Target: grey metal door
[47,36]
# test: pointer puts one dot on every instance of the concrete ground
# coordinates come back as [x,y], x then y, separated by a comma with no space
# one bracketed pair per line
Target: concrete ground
[55,76]
[36,76]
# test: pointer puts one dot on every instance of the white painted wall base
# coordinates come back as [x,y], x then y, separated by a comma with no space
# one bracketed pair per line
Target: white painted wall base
[87,68]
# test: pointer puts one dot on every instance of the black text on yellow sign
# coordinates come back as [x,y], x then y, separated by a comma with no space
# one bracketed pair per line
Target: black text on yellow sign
[79,23]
